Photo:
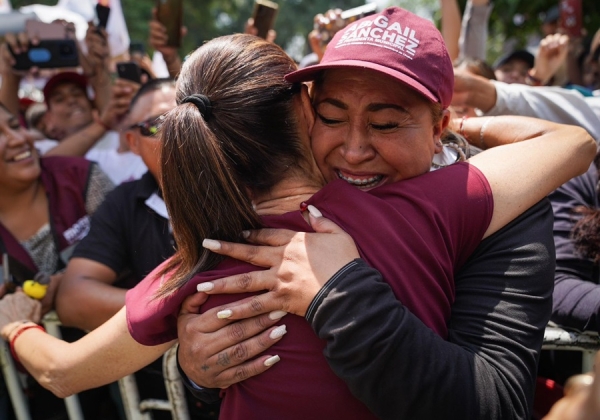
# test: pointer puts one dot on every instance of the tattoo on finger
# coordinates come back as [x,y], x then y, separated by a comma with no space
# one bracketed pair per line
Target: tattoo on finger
[223,359]
[204,367]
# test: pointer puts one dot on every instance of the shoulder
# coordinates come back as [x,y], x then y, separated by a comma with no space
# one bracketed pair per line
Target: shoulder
[65,163]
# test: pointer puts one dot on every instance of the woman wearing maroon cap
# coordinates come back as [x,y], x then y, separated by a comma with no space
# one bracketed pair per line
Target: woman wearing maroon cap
[248,131]
[488,366]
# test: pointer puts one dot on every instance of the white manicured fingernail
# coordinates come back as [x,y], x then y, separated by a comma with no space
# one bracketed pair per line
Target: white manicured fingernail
[277,315]
[245,234]
[272,360]
[205,287]
[314,211]
[211,244]
[224,314]
[278,332]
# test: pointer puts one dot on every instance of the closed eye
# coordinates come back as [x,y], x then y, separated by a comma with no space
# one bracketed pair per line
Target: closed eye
[383,127]
[328,121]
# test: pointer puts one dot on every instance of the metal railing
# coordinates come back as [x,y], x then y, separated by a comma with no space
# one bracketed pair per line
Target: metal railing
[135,409]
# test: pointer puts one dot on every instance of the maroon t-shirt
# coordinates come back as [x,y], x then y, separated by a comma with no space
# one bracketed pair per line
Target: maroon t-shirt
[416,232]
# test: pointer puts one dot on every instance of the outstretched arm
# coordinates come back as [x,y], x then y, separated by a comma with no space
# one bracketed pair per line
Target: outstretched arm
[104,355]
[559,105]
[521,173]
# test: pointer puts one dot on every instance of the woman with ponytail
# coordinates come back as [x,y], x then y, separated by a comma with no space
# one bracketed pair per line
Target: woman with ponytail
[237,155]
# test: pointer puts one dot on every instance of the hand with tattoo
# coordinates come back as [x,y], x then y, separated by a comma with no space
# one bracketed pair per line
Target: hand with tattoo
[216,352]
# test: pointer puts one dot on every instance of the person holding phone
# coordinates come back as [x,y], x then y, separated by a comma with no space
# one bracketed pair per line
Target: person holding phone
[159,40]
[208,100]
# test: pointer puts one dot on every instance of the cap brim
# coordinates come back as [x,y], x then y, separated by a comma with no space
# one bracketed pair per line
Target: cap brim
[311,73]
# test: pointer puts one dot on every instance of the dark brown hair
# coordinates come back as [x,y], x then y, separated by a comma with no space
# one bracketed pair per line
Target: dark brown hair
[211,166]
[586,232]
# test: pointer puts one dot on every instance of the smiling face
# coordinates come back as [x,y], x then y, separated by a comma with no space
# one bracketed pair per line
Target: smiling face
[70,108]
[371,130]
[19,163]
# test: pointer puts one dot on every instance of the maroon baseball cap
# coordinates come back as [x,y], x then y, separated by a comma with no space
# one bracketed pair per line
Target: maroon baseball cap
[64,77]
[397,43]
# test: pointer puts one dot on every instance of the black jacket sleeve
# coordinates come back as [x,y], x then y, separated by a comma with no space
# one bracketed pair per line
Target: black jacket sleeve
[576,290]
[485,370]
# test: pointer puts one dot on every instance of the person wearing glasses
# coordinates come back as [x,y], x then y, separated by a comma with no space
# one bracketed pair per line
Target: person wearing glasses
[129,235]
[109,259]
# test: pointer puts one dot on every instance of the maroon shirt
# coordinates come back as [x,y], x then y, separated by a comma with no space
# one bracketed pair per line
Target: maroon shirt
[416,232]
[65,180]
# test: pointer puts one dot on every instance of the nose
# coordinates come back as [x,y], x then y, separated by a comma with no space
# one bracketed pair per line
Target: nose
[16,138]
[357,147]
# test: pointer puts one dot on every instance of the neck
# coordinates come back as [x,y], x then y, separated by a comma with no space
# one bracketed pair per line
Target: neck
[17,199]
[286,196]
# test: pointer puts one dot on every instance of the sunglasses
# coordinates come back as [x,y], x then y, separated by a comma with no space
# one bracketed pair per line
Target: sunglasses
[149,127]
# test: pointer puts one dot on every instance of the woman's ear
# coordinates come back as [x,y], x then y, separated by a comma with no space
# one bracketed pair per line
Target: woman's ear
[439,128]
[307,108]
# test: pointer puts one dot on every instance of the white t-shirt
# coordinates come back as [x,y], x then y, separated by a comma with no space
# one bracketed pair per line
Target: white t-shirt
[119,167]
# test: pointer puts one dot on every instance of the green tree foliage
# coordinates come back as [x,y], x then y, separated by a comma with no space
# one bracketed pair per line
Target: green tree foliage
[209,18]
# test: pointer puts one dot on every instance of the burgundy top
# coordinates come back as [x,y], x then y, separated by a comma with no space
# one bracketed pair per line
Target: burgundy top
[416,232]
[65,180]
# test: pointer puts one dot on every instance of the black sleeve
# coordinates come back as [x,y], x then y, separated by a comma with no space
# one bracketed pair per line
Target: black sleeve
[105,243]
[485,370]
[576,291]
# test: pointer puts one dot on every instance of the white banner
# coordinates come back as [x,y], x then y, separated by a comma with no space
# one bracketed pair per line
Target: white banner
[118,36]
[5,6]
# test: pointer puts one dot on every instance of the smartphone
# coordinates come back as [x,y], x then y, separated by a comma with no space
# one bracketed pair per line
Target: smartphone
[264,15]
[43,30]
[102,13]
[130,71]
[170,14]
[14,22]
[571,17]
[48,54]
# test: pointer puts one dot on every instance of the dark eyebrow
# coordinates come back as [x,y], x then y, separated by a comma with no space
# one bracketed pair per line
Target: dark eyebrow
[334,102]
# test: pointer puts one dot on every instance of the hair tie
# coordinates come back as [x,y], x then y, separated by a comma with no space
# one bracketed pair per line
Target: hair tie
[202,103]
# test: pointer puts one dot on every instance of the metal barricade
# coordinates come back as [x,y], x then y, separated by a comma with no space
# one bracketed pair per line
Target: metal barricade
[588,343]
[134,408]
[176,403]
[15,380]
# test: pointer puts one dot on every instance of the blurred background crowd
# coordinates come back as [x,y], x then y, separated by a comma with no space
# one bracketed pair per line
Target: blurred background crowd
[94,78]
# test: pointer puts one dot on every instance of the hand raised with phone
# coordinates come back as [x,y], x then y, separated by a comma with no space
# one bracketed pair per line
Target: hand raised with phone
[158,39]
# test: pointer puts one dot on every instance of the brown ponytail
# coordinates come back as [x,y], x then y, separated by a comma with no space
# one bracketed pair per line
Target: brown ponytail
[211,166]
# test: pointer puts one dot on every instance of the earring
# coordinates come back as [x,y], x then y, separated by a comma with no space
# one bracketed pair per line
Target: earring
[451,153]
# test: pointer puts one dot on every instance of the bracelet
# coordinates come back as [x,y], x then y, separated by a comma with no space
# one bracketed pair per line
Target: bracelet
[532,80]
[461,128]
[14,339]
[482,132]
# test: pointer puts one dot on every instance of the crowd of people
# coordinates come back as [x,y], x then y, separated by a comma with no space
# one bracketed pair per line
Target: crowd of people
[383,230]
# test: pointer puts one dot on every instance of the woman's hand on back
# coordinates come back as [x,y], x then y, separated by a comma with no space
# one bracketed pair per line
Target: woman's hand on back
[218,347]
[298,265]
